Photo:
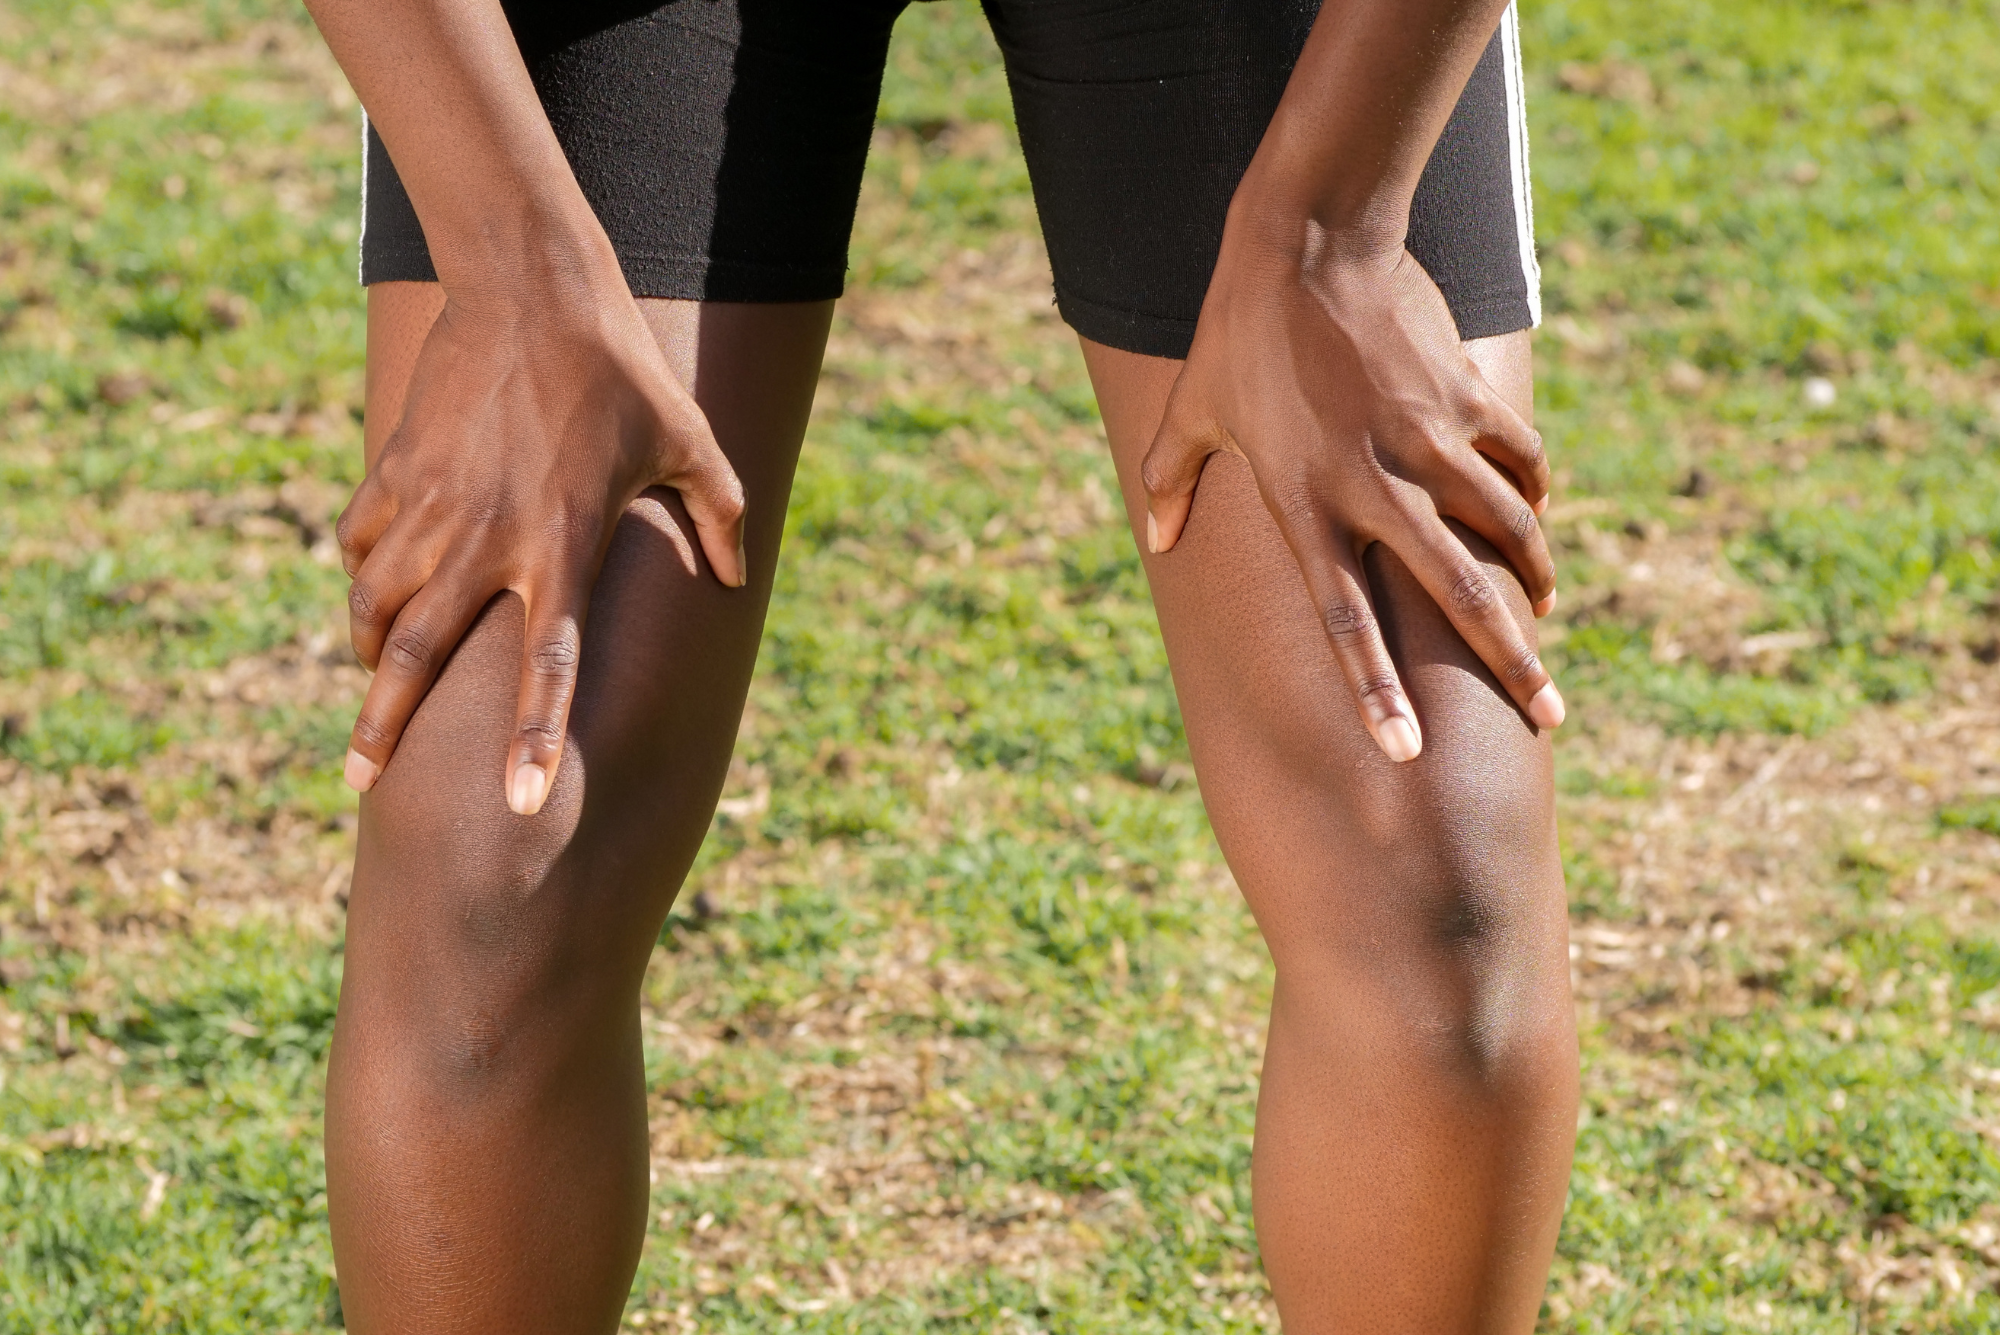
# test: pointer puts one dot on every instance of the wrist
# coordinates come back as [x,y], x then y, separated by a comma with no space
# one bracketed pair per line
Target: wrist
[1284,241]
[1272,213]
[534,250]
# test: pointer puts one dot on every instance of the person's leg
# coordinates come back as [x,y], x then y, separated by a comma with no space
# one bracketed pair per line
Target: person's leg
[486,1131]
[1419,1094]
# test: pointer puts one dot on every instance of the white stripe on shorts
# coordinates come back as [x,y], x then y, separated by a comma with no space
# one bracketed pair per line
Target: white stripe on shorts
[1517,152]
[361,240]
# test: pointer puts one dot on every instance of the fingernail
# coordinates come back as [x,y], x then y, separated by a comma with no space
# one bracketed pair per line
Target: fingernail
[1152,534]
[1541,506]
[531,785]
[1546,709]
[1397,736]
[1546,605]
[742,565]
[360,772]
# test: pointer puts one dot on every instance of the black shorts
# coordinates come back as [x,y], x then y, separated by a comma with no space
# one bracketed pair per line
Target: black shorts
[721,143]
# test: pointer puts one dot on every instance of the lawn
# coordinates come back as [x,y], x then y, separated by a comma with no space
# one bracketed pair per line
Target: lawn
[957,1027]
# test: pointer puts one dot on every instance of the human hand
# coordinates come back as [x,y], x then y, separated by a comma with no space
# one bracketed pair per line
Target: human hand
[531,422]
[1338,376]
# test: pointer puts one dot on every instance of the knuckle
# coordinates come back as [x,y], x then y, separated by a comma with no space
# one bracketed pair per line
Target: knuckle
[683,427]
[1378,686]
[363,603]
[1347,621]
[402,466]
[1473,593]
[370,735]
[1522,666]
[1524,525]
[411,650]
[1537,453]
[1153,475]
[554,657]
[569,531]
[539,734]
[726,499]
[485,515]
[1298,505]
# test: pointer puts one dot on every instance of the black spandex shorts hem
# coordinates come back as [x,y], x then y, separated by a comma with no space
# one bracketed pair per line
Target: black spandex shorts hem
[1133,331]
[722,142]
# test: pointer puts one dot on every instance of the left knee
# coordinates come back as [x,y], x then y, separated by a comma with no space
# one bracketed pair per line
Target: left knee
[1468,980]
[1434,913]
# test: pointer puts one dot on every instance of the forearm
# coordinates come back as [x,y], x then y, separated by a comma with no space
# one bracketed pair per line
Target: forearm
[1365,105]
[445,86]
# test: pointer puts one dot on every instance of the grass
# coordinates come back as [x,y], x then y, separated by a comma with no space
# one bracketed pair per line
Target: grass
[958,1025]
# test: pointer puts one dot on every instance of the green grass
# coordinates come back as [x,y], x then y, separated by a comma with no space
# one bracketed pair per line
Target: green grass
[963,1033]
[1786,191]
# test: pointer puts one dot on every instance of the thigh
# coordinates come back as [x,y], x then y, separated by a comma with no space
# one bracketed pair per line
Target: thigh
[1340,851]
[666,660]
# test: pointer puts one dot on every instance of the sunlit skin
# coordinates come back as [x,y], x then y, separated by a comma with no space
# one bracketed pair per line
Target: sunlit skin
[1336,497]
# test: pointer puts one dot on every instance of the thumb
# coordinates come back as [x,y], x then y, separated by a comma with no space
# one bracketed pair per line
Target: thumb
[1188,434]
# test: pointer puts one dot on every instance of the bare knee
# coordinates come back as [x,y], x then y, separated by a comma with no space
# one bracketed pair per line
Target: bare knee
[484,945]
[1464,973]
[1470,875]
[481,960]
[1427,895]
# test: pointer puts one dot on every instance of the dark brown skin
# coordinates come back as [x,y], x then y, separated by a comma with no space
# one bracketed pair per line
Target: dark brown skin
[1418,1105]
[1328,470]
[1327,359]
[538,408]
[486,1131]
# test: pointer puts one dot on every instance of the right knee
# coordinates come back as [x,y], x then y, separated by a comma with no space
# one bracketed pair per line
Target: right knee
[482,943]
[485,964]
